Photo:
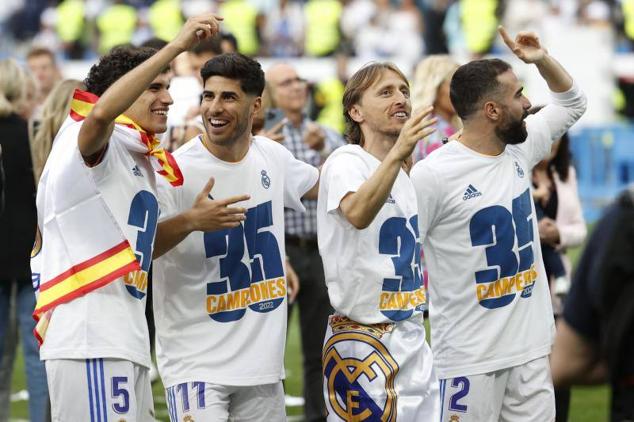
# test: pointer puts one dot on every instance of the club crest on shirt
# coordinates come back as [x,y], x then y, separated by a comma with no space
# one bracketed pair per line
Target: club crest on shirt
[265,179]
[360,390]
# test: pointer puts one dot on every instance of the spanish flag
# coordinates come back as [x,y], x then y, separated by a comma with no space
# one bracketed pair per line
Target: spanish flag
[162,160]
[80,247]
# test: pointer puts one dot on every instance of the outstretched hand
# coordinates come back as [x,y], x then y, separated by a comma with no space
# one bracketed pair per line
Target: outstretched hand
[209,214]
[419,126]
[196,29]
[526,45]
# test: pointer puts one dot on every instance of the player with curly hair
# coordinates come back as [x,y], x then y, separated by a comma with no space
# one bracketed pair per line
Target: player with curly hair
[96,347]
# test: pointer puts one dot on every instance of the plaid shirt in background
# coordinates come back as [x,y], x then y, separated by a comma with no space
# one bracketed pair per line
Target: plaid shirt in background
[300,224]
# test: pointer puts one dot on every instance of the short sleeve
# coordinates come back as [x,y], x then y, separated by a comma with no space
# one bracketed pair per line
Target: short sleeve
[428,194]
[168,198]
[299,178]
[344,174]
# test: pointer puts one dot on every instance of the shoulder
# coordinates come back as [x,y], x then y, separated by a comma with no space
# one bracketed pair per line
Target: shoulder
[346,152]
[189,147]
[269,148]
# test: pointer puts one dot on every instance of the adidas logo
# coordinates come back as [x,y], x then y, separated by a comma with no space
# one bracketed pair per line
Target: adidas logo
[137,171]
[471,192]
[390,200]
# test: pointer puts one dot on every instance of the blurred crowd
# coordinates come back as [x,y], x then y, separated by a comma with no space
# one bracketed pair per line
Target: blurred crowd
[405,29]
[34,103]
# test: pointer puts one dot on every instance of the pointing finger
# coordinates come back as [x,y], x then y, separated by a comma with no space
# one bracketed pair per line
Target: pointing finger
[506,37]
[208,186]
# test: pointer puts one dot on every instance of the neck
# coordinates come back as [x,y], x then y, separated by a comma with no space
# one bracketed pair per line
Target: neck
[482,139]
[231,153]
[446,116]
[295,117]
[378,145]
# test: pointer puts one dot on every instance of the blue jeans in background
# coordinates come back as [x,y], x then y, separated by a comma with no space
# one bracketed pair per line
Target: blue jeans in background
[17,301]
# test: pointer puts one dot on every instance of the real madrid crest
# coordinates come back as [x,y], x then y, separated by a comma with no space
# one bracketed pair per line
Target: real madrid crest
[266,180]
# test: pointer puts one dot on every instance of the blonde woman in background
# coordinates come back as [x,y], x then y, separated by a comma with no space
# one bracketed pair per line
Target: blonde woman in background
[431,87]
[17,231]
[54,111]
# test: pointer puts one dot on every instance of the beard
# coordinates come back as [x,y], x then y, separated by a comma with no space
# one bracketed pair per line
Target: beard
[513,132]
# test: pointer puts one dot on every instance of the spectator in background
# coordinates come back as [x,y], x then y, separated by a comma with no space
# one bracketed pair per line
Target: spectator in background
[71,26]
[312,144]
[322,27]
[228,42]
[165,18]
[284,30]
[431,88]
[434,12]
[54,111]
[116,25]
[560,225]
[479,20]
[42,64]
[17,231]
[245,22]
[594,340]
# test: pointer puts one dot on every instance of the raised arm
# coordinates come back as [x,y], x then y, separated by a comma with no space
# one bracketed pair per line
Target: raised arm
[361,207]
[98,125]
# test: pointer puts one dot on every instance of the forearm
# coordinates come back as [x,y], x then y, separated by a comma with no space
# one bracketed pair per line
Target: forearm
[554,74]
[361,207]
[573,360]
[170,233]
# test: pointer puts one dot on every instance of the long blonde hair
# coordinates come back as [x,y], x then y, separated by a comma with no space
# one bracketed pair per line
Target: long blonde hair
[13,88]
[430,74]
[54,111]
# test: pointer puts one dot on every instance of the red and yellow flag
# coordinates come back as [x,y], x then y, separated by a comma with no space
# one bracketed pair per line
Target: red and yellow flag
[163,161]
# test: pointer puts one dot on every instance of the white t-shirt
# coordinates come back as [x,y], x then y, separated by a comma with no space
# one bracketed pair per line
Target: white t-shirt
[489,301]
[373,275]
[109,322]
[219,297]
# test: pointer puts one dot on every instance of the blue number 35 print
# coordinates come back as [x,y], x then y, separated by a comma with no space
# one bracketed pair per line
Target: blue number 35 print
[497,229]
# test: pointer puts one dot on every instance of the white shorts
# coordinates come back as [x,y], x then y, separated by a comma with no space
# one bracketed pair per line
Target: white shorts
[380,372]
[520,393]
[99,390]
[199,401]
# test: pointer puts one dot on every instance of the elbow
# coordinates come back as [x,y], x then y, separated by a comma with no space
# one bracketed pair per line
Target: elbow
[99,116]
[359,222]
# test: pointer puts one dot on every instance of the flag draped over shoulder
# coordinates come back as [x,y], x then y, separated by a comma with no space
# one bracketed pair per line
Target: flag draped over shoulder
[82,247]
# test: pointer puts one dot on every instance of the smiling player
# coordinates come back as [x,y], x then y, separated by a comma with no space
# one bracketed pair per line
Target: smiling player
[97,211]
[220,294]
[376,362]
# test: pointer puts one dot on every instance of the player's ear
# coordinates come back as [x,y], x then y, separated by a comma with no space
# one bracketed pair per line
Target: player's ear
[257,105]
[492,111]
[356,114]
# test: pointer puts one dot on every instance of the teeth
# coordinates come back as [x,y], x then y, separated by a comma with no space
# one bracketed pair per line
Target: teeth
[218,122]
[400,114]
[160,112]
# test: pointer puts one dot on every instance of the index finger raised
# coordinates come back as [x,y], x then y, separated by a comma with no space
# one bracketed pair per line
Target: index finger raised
[506,37]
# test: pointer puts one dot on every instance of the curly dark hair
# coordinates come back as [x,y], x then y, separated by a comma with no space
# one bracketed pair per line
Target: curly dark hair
[115,64]
[474,82]
[239,67]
